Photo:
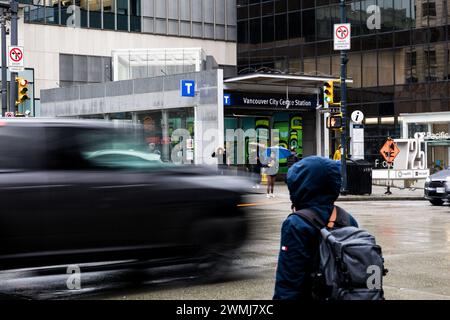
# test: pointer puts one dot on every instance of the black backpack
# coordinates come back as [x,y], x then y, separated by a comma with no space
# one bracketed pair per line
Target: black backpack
[349,264]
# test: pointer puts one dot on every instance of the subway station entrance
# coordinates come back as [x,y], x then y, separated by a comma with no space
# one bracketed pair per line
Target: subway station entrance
[288,103]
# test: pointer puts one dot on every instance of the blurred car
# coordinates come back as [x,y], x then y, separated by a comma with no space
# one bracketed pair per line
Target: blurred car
[437,187]
[77,191]
[121,158]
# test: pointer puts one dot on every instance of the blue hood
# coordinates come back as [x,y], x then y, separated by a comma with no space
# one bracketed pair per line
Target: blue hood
[315,183]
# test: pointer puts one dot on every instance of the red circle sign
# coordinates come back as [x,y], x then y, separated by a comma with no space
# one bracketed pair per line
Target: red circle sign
[342,32]
[16,54]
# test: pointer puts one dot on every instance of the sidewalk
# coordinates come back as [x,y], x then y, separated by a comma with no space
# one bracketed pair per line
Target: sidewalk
[377,194]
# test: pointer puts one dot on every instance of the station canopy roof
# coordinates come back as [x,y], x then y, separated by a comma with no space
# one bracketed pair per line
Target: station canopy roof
[278,81]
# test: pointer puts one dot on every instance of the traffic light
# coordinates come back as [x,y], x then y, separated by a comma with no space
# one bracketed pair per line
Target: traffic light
[335,122]
[22,90]
[328,92]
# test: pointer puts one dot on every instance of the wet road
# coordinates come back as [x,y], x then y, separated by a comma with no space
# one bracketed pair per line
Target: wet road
[415,238]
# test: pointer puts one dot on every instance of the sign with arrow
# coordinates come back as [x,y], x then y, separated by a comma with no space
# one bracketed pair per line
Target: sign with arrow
[15,59]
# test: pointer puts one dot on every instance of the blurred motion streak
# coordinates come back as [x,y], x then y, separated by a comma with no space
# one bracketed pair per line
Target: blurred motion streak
[76,192]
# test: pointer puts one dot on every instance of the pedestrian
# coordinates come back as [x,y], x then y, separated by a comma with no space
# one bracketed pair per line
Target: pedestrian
[293,158]
[272,172]
[314,183]
[337,155]
[221,155]
[255,166]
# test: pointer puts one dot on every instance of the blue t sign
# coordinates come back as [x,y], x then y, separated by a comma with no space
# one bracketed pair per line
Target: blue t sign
[227,100]
[187,88]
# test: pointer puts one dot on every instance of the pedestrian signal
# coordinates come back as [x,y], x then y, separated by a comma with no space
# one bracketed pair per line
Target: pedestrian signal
[334,122]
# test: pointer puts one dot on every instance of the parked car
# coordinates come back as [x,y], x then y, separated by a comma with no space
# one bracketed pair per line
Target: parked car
[77,191]
[437,187]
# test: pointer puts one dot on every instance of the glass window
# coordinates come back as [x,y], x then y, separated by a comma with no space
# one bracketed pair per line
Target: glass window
[135,15]
[323,23]
[51,12]
[387,14]
[95,14]
[255,31]
[385,68]
[108,14]
[402,14]
[267,29]
[429,9]
[308,25]
[369,67]
[281,31]
[295,25]
[122,15]
[354,69]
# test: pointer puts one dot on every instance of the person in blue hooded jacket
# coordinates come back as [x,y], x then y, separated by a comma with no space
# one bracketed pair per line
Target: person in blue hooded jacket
[314,183]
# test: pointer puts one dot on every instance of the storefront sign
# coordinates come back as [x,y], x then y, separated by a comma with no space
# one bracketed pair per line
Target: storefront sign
[276,101]
[400,174]
[435,136]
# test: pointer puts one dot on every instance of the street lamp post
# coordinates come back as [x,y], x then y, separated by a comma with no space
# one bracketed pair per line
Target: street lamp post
[344,61]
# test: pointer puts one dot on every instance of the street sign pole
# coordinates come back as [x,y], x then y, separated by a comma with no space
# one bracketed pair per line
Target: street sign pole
[344,61]
[4,67]
[388,191]
[14,42]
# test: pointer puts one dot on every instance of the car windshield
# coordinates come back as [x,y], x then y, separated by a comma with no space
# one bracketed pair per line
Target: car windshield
[120,149]
[124,159]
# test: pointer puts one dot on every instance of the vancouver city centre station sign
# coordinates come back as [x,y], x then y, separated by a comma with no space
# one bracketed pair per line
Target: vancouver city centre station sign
[272,101]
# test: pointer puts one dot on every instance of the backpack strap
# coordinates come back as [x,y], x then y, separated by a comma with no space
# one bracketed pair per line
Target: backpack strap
[312,217]
[339,218]
[343,218]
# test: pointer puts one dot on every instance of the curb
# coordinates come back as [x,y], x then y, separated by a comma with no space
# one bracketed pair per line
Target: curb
[385,198]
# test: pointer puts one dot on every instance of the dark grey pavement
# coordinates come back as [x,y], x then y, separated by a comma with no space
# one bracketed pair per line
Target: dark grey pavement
[415,237]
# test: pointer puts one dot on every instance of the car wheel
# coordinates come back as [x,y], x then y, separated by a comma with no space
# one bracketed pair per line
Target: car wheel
[437,202]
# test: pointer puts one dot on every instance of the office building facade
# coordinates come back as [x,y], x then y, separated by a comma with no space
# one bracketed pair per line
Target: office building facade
[71,42]
[399,60]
